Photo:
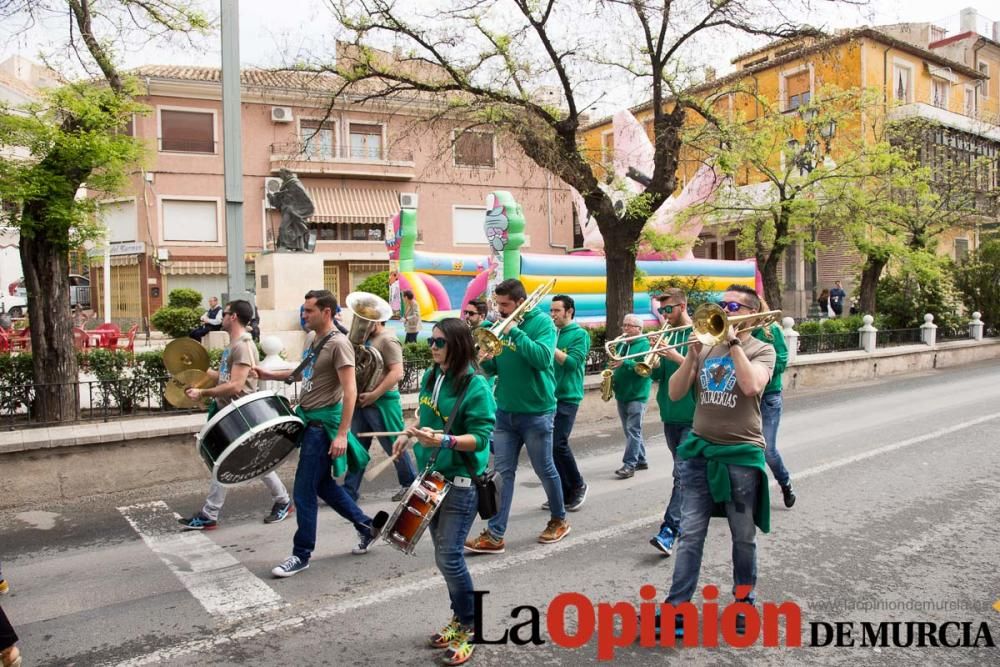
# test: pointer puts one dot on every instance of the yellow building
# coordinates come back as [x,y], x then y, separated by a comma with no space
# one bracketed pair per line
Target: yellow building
[915,79]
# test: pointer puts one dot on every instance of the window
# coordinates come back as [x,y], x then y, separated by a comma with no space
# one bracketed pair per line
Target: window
[190,220]
[608,147]
[318,139]
[984,87]
[902,84]
[970,101]
[467,223]
[474,149]
[366,141]
[797,91]
[349,231]
[187,131]
[939,93]
[120,220]
[729,249]
[961,249]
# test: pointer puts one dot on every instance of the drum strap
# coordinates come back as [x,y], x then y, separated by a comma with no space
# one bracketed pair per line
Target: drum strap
[313,351]
[451,421]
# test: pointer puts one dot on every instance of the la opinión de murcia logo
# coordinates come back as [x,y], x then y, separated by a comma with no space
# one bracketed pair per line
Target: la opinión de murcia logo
[622,624]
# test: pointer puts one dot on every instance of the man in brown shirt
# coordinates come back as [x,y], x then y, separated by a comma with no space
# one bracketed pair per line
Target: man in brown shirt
[381,409]
[235,381]
[326,404]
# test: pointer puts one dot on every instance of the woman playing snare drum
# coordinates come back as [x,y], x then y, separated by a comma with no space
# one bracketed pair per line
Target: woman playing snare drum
[454,355]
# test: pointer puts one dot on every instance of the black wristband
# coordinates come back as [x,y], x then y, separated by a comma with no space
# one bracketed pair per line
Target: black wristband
[735,341]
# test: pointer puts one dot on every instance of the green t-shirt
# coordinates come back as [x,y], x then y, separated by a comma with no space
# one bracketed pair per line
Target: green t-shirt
[777,341]
[674,412]
[526,381]
[574,340]
[629,385]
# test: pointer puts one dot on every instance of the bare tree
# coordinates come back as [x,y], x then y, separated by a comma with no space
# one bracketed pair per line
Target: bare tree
[535,69]
[72,139]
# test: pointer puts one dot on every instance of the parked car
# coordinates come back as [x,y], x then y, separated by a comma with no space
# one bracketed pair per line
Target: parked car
[15,302]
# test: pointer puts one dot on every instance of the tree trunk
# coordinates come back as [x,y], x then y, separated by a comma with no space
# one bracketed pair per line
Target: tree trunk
[870,274]
[619,264]
[53,355]
[769,274]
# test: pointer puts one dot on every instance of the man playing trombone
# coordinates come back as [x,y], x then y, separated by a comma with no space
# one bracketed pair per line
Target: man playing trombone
[631,393]
[724,455]
[526,402]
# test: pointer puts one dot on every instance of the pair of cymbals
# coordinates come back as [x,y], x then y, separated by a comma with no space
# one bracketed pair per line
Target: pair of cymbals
[175,390]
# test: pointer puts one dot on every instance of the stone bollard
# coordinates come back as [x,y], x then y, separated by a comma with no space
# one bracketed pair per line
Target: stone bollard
[791,338]
[976,326]
[866,334]
[928,331]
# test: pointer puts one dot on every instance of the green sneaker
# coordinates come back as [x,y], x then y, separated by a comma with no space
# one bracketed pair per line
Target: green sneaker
[460,649]
[446,635]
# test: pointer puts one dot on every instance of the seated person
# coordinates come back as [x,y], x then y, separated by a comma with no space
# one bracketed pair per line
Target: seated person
[210,321]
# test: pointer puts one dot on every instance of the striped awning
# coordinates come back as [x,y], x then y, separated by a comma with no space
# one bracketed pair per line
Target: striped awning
[176,267]
[353,205]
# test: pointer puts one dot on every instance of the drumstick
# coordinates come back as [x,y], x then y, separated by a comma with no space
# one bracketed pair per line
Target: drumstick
[380,467]
[377,434]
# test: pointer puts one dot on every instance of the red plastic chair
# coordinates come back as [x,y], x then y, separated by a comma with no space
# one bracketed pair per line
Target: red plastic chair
[127,342]
[81,339]
[109,333]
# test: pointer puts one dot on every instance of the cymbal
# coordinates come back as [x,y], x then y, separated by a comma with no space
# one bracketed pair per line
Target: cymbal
[175,388]
[183,354]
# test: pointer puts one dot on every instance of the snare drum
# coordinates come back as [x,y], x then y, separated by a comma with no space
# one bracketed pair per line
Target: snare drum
[415,511]
[249,437]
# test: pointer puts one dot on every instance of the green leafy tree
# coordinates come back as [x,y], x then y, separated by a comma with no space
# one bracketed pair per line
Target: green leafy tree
[72,141]
[977,279]
[377,284]
[534,70]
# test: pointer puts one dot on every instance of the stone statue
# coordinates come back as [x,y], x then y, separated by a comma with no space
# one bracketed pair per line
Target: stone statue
[295,205]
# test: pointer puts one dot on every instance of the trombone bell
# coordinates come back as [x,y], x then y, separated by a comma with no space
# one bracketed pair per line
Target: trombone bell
[711,323]
[488,340]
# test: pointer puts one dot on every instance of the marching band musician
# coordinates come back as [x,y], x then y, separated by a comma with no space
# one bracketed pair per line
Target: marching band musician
[452,454]
[381,409]
[235,381]
[526,404]
[724,454]
[326,405]
[631,393]
[572,347]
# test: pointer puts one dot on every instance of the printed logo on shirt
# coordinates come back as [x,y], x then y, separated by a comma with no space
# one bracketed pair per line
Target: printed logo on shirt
[307,372]
[718,378]
[224,370]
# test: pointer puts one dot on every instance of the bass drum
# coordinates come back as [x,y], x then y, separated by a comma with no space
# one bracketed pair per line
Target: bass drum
[249,437]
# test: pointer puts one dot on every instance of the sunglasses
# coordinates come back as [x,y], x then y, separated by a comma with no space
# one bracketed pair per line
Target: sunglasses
[226,313]
[472,313]
[666,310]
[437,343]
[732,306]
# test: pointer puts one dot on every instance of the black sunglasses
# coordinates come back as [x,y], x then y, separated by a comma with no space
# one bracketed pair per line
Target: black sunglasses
[732,306]
[437,343]
[472,312]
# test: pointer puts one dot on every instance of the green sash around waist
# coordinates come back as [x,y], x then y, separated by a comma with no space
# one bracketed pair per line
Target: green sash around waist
[356,458]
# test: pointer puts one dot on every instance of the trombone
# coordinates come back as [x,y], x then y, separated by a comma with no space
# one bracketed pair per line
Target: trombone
[646,366]
[711,323]
[489,341]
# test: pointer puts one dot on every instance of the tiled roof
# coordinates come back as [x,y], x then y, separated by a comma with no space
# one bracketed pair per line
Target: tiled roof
[263,78]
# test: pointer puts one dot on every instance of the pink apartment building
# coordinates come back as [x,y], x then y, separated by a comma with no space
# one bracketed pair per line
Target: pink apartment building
[356,160]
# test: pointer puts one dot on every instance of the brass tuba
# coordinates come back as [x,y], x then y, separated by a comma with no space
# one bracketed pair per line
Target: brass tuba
[489,339]
[607,384]
[367,310]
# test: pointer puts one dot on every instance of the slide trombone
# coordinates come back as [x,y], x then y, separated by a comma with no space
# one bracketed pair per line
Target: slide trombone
[610,347]
[712,322]
[489,339]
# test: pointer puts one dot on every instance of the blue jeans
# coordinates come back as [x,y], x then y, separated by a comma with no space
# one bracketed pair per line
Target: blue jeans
[313,480]
[770,417]
[675,434]
[367,420]
[696,510]
[631,414]
[535,433]
[449,528]
[562,455]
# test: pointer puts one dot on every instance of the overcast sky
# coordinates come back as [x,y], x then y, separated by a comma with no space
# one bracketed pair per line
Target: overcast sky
[276,32]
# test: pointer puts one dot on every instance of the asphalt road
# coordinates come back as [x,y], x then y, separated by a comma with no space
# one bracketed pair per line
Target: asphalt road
[896,520]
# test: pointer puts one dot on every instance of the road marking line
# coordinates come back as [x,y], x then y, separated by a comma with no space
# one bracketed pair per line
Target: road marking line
[502,563]
[222,585]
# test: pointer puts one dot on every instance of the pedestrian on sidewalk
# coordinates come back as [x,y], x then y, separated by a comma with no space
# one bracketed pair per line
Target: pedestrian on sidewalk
[837,297]
[235,380]
[411,316]
[675,415]
[456,417]
[771,406]
[572,348]
[327,448]
[526,405]
[631,394]
[724,455]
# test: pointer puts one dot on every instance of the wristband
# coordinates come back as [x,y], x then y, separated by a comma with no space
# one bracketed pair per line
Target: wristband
[447,441]
[735,341]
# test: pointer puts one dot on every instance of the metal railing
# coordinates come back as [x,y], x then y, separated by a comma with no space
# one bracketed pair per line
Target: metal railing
[895,337]
[314,152]
[828,342]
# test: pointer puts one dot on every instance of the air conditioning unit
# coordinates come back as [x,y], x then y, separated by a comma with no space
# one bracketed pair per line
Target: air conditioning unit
[281,114]
[271,185]
[407,200]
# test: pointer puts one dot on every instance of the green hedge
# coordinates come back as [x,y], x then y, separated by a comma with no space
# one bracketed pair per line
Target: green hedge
[377,284]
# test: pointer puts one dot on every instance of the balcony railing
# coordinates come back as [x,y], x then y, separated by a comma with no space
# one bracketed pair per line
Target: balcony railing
[311,152]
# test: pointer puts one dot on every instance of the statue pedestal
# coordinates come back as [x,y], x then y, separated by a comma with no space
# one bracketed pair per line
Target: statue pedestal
[283,278]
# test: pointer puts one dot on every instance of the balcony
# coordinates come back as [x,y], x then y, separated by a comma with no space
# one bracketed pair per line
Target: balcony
[947,118]
[384,164]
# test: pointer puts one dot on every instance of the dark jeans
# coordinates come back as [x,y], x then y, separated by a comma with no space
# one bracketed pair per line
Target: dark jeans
[411,337]
[203,331]
[7,635]
[770,416]
[675,434]
[313,480]
[562,455]
[449,528]
[367,420]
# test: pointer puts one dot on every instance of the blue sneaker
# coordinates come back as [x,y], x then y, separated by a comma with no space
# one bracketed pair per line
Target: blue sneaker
[290,567]
[279,512]
[199,522]
[664,541]
[365,541]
